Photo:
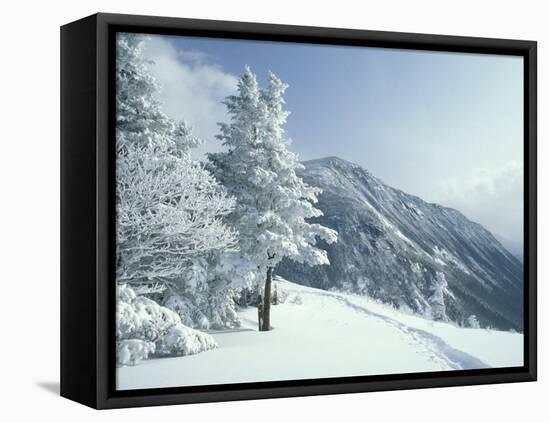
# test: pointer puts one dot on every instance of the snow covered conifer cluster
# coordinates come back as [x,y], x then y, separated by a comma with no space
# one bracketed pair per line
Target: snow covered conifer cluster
[190,237]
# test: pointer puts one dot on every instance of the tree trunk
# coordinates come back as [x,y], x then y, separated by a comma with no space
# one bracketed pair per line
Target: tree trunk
[267,300]
[260,312]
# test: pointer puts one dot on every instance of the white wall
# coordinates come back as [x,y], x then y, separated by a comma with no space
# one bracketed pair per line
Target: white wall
[29,234]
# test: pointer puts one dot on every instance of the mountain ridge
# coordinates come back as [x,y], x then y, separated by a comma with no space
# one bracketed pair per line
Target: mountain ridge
[430,203]
[405,251]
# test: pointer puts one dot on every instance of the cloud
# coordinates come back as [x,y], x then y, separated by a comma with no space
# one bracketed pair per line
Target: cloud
[493,198]
[191,89]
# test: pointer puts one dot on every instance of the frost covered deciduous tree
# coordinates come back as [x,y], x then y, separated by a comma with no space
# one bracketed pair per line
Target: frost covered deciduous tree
[169,211]
[169,208]
[272,202]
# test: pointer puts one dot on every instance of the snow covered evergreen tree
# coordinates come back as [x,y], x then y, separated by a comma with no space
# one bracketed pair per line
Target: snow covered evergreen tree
[472,322]
[437,299]
[169,208]
[258,169]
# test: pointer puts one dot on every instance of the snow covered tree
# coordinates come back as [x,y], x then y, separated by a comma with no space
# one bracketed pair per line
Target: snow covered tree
[169,212]
[139,117]
[472,322]
[272,202]
[169,208]
[437,298]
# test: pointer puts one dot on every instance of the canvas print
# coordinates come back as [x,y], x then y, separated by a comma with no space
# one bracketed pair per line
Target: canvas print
[290,211]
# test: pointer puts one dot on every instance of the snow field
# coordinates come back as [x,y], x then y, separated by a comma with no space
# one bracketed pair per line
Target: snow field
[329,335]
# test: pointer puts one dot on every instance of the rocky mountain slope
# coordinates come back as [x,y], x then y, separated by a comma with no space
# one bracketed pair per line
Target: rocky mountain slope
[399,249]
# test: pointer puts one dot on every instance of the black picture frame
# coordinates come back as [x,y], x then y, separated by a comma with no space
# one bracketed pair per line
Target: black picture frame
[87,210]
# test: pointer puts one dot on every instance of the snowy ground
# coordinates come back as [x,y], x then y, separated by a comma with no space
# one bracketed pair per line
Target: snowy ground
[329,335]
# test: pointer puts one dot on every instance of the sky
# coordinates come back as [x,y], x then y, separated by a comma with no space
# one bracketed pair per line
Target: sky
[447,127]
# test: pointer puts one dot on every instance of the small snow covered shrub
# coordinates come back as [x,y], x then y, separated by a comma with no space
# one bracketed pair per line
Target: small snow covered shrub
[146,328]
[182,340]
[280,295]
[132,351]
[142,318]
[248,297]
[296,299]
